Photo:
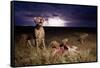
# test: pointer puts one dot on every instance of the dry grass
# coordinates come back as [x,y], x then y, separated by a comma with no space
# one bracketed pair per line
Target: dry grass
[27,55]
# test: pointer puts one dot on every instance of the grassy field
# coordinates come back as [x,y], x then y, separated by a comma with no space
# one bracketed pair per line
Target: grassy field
[28,55]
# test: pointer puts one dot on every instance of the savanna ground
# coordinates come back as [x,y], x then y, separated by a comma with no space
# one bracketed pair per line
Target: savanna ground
[27,55]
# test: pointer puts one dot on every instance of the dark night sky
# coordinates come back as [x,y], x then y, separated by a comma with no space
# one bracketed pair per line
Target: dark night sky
[55,14]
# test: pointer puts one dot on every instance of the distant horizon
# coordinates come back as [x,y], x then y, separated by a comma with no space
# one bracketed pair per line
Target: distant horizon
[57,26]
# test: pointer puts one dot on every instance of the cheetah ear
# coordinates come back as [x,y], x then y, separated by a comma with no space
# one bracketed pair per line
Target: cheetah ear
[43,19]
[35,18]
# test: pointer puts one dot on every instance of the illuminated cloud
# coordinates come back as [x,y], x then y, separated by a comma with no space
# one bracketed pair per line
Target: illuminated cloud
[55,21]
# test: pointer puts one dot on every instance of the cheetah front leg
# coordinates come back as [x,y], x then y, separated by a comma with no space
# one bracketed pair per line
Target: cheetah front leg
[37,45]
[43,43]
